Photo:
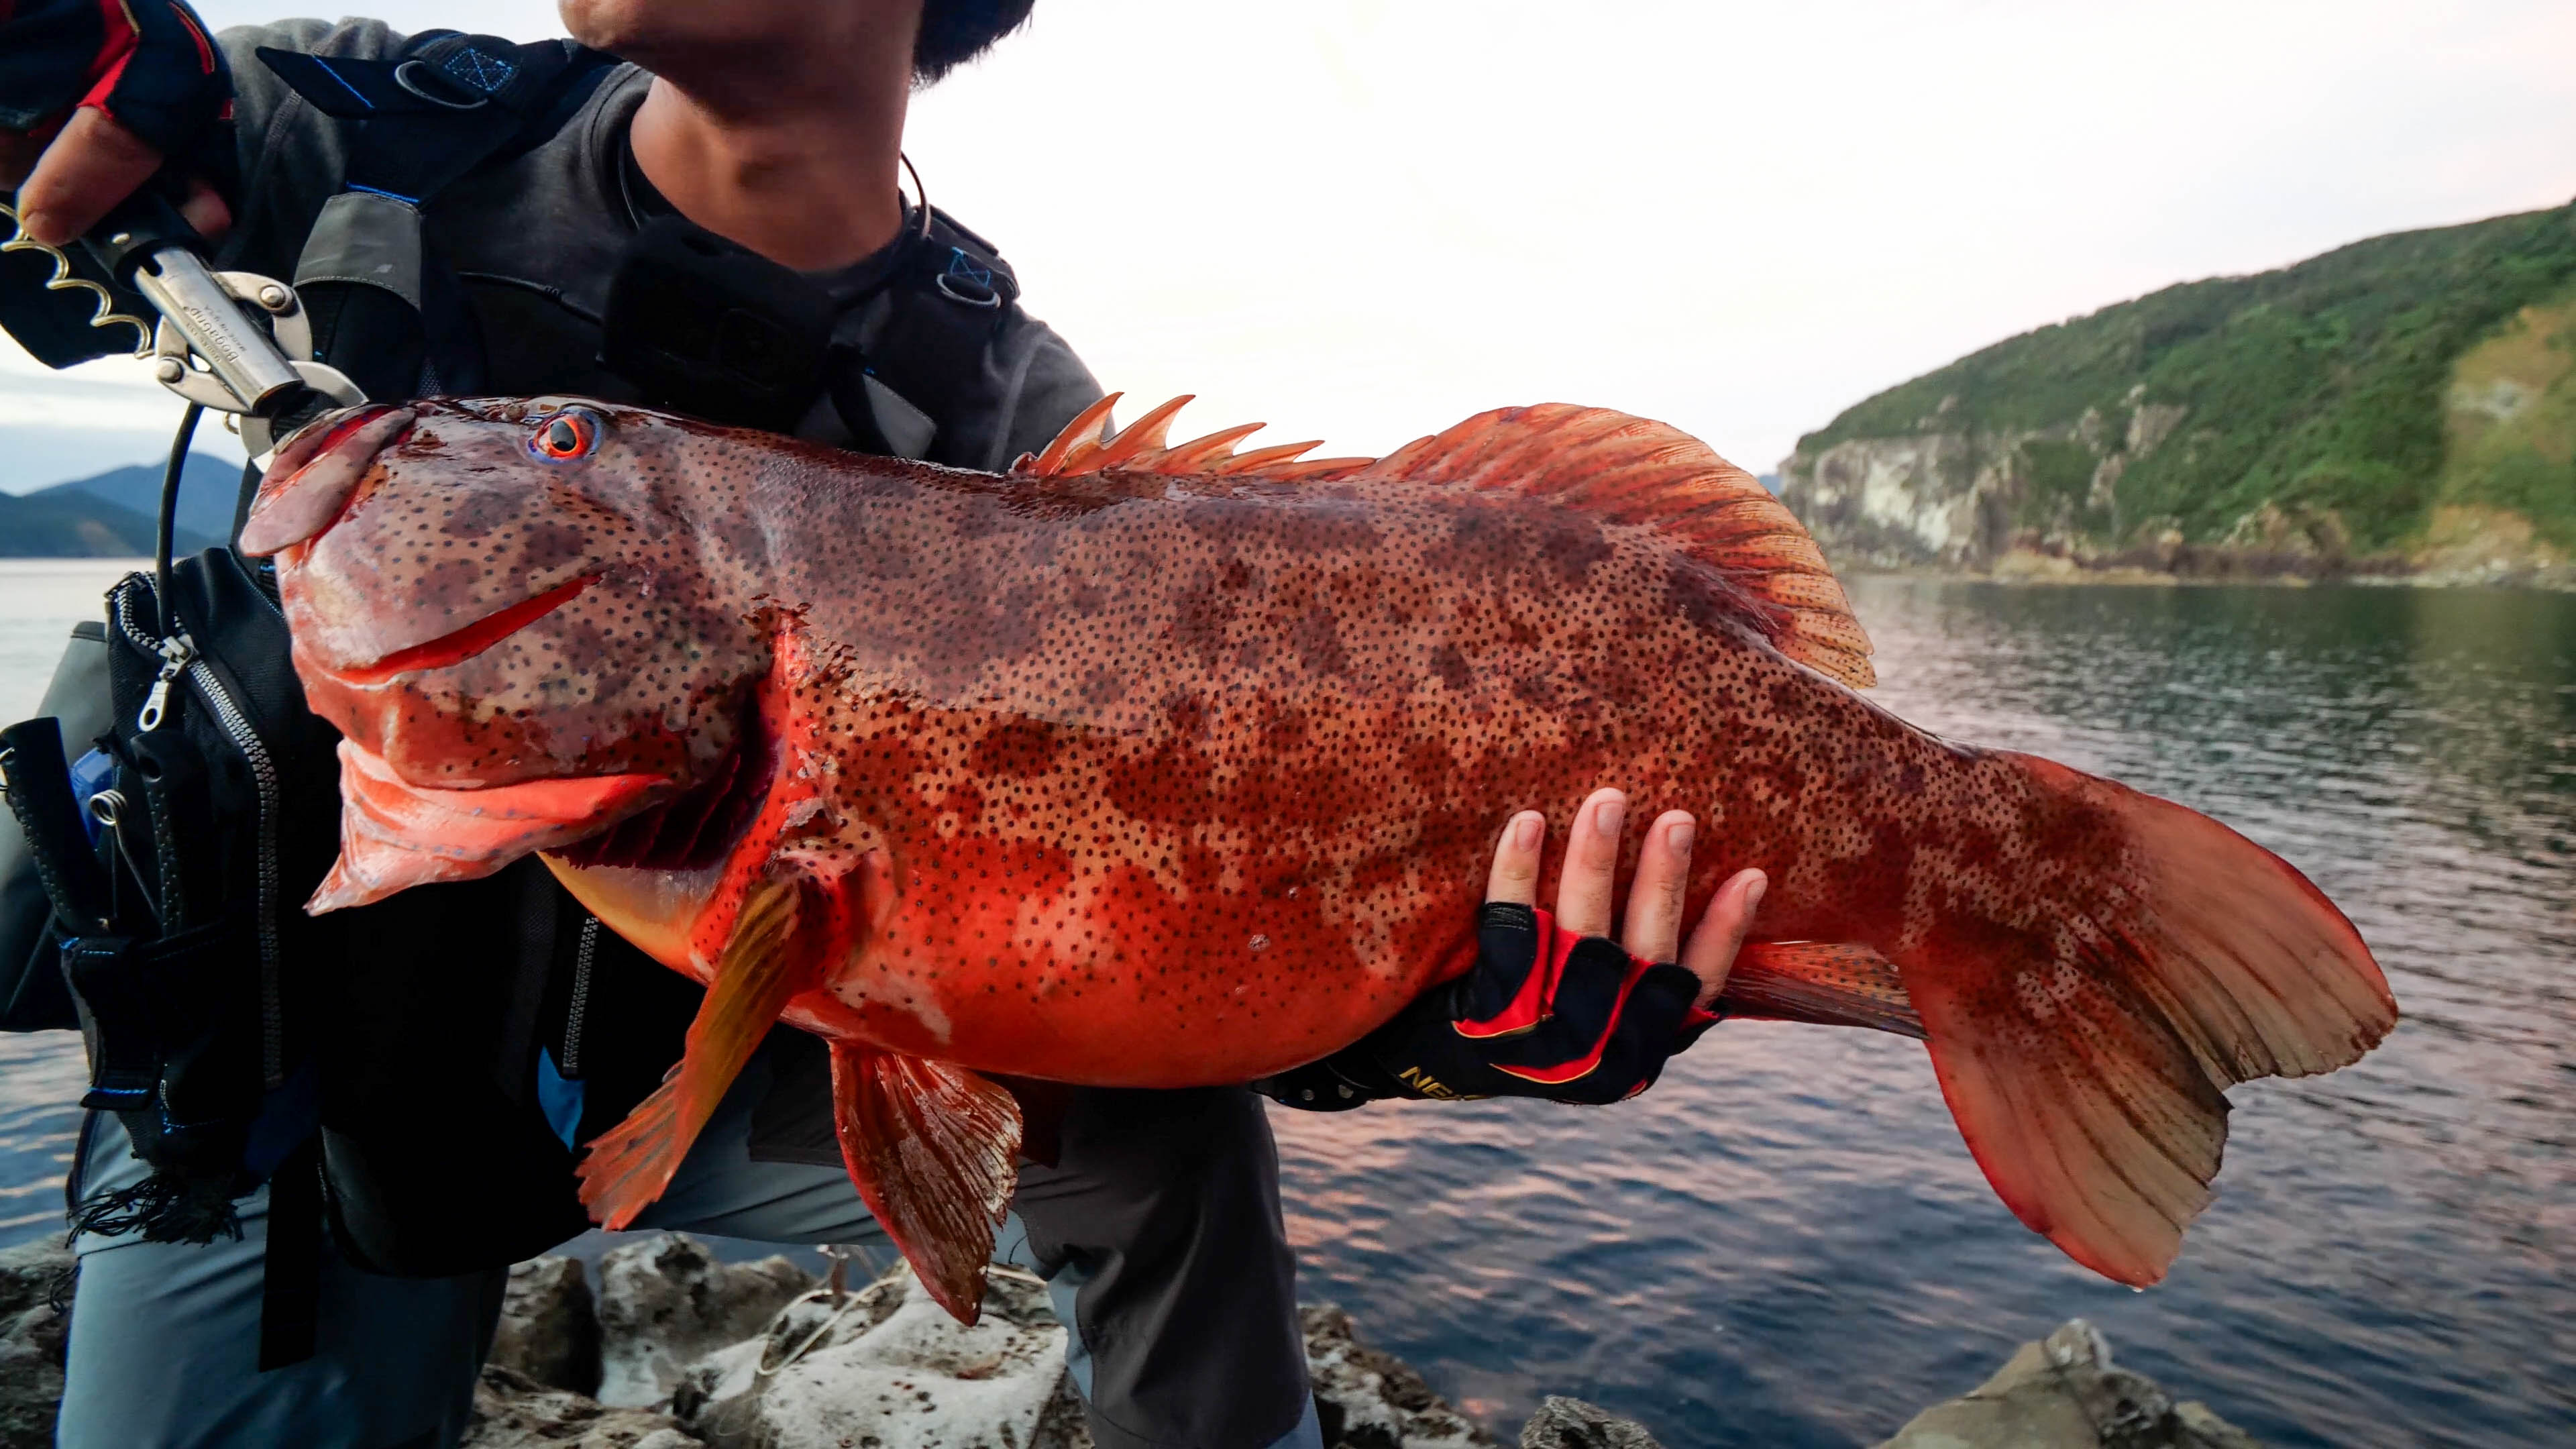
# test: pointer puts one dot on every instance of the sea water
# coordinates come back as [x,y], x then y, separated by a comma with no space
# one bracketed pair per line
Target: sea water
[1785,1243]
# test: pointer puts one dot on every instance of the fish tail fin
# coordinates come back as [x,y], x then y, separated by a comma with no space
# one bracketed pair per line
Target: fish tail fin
[2083,1053]
[629,1165]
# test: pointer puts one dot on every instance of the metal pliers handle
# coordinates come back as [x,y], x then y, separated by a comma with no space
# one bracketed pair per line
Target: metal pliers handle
[236,342]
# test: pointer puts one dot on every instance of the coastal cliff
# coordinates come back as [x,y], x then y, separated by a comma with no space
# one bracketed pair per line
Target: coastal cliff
[2403,407]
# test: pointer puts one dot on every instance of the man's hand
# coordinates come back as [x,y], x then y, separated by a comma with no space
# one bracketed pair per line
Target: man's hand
[1554,1008]
[94,98]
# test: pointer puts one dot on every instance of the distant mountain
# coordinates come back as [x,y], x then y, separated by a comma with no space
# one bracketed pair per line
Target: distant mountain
[207,489]
[63,523]
[2403,404]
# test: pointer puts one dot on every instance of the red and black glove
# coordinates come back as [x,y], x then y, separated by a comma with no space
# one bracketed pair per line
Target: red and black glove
[1545,1013]
[150,64]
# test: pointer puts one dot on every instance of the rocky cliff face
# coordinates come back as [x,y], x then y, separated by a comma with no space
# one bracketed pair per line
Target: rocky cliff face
[1962,498]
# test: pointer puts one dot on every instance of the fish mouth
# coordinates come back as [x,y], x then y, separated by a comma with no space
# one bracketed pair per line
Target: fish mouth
[395,834]
[694,829]
[455,648]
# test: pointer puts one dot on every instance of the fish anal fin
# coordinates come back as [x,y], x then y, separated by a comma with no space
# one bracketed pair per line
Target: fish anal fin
[763,965]
[1823,982]
[1631,470]
[933,1149]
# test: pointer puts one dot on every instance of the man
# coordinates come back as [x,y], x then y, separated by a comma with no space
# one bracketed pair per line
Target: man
[775,126]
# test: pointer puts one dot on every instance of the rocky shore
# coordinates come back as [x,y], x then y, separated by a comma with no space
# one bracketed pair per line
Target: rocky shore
[676,1349]
[1966,505]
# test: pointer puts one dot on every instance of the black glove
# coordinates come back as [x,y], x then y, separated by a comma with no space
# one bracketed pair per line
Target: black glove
[1544,1014]
[150,64]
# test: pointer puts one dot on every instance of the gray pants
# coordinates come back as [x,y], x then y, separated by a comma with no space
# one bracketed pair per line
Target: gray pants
[1158,1232]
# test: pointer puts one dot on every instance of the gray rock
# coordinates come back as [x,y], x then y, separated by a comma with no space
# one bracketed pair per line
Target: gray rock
[549,1326]
[1368,1399]
[513,1411]
[667,1302]
[2064,1393]
[888,1367]
[1563,1423]
[32,1333]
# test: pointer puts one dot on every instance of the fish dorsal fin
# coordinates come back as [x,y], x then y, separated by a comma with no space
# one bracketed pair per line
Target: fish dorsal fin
[1616,467]
[1624,469]
[1086,446]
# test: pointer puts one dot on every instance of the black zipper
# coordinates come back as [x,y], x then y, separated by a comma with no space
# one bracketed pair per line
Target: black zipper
[180,657]
[568,1060]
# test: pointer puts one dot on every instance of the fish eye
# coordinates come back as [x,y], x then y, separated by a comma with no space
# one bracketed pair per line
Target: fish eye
[562,437]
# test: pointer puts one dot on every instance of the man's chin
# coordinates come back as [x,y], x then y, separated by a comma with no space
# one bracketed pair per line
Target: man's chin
[673,36]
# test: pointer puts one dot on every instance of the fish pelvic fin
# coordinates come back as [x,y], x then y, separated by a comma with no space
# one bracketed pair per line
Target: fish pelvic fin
[933,1149]
[1822,982]
[764,964]
[2083,1058]
[1630,470]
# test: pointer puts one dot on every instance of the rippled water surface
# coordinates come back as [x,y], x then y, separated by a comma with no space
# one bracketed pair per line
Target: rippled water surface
[1785,1242]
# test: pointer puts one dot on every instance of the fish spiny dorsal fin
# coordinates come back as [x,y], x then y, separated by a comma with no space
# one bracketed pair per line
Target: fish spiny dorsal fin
[1199,453]
[1081,448]
[1630,470]
[1084,429]
[1139,438]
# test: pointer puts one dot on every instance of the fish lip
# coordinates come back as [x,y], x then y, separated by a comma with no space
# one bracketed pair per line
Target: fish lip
[311,478]
[319,436]
[473,832]
[458,645]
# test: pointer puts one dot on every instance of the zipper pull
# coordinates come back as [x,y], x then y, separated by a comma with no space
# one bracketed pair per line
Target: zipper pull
[176,652]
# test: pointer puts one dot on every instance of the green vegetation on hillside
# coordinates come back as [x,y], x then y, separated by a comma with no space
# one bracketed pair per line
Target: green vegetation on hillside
[2326,387]
[2511,412]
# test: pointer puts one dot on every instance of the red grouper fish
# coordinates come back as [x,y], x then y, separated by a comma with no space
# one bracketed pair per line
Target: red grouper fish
[1155,765]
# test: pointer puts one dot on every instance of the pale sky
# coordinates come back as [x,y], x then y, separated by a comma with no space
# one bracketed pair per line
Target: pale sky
[1364,219]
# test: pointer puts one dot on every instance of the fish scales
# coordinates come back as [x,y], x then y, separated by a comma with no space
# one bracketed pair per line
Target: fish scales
[1148,767]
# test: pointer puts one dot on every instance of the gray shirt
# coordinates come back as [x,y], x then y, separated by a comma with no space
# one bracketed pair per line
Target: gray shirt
[536,239]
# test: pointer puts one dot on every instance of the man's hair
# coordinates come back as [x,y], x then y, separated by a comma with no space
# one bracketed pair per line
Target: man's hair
[954,32]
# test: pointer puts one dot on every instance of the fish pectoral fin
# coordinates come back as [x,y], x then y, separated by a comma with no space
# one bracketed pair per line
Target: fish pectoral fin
[764,964]
[933,1149]
[1827,983]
